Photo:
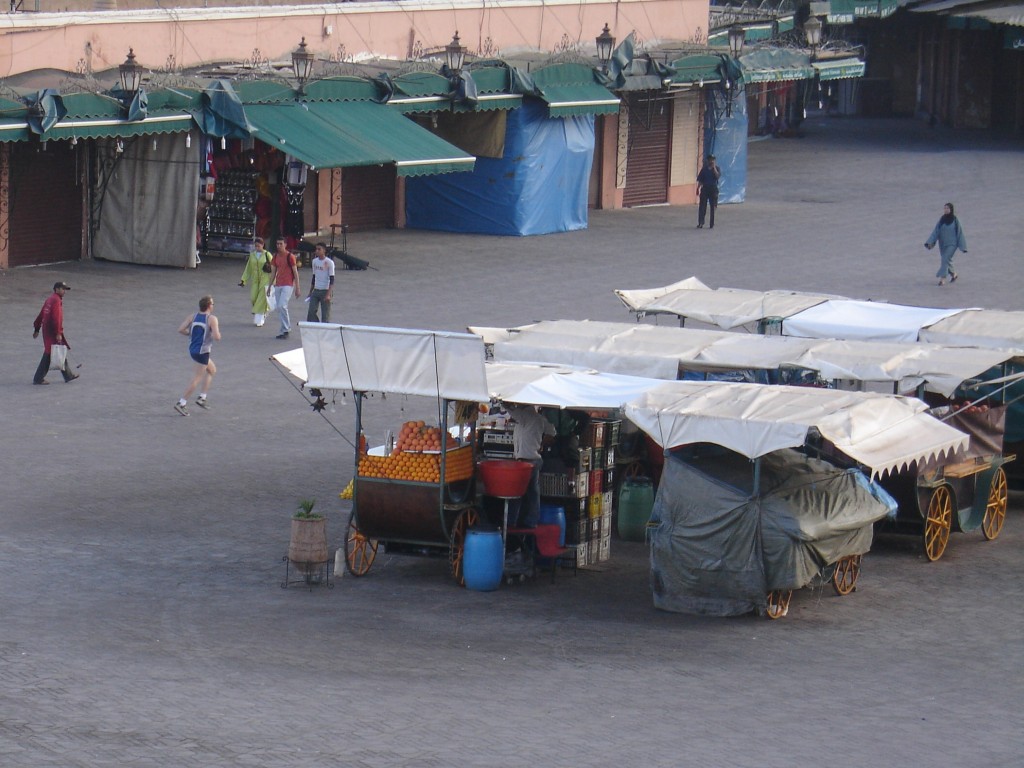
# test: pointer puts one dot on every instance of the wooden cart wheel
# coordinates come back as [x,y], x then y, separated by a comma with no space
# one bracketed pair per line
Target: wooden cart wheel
[778,603]
[995,512]
[360,551]
[457,541]
[938,523]
[844,580]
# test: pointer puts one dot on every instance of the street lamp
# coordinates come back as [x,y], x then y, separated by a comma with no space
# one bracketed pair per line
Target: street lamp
[737,36]
[131,75]
[454,55]
[302,64]
[812,28]
[605,45]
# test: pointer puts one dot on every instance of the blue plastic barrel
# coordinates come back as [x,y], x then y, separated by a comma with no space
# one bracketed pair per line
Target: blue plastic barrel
[483,560]
[636,500]
[552,515]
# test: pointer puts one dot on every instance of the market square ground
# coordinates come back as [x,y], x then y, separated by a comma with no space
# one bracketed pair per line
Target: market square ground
[140,552]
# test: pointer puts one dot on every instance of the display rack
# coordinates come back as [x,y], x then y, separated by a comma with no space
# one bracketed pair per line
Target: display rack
[230,222]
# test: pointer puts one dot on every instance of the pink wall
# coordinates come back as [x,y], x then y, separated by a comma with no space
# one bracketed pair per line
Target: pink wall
[100,40]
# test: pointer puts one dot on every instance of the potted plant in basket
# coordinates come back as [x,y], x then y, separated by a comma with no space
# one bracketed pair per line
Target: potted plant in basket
[308,546]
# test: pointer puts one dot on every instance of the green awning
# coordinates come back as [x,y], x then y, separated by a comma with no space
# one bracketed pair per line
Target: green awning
[14,130]
[846,11]
[109,128]
[415,151]
[839,69]
[697,69]
[570,89]
[579,99]
[776,65]
[350,134]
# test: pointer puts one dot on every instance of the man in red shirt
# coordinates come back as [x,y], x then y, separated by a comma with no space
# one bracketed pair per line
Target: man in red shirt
[285,283]
[51,321]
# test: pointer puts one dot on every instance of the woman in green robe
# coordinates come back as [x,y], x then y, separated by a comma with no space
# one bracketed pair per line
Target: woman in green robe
[257,277]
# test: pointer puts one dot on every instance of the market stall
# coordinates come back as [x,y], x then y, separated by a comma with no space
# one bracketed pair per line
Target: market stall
[776,531]
[934,499]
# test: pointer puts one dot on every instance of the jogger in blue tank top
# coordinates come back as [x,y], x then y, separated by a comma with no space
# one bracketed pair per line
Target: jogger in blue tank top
[202,330]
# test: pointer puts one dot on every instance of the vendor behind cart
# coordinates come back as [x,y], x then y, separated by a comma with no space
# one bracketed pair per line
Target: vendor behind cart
[531,429]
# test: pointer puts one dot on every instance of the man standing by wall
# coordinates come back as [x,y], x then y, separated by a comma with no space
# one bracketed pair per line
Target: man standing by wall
[528,435]
[321,287]
[707,189]
[51,321]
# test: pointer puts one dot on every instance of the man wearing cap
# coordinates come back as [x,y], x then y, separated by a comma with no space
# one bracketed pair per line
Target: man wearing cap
[707,189]
[51,321]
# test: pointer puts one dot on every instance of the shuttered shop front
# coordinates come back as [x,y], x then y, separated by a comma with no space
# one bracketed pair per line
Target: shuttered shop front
[368,197]
[647,158]
[45,211]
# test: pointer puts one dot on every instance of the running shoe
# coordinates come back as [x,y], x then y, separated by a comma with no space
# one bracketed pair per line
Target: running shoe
[182,409]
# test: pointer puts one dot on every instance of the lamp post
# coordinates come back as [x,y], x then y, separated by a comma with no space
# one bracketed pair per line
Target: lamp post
[455,55]
[131,75]
[302,64]
[737,36]
[812,28]
[605,45]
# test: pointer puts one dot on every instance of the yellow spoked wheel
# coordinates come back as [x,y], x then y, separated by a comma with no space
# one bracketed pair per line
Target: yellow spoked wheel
[844,580]
[938,523]
[995,512]
[778,603]
[457,542]
[360,552]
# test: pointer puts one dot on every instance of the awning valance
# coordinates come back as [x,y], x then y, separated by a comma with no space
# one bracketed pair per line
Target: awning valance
[847,11]
[839,69]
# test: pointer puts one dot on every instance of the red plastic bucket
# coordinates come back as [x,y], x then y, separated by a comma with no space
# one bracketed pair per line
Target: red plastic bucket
[505,477]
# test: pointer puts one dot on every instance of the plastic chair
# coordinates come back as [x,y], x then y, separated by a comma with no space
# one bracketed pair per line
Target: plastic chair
[544,543]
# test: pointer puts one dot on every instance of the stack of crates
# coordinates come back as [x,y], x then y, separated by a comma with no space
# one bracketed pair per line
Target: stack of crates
[602,438]
[571,491]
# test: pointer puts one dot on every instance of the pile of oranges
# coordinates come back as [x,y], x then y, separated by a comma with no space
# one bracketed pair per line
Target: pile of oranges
[419,467]
[417,436]
[411,461]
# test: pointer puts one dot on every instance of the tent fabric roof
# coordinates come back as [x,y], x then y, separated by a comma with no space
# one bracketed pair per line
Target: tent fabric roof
[867,320]
[661,351]
[394,361]
[978,327]
[726,307]
[884,433]
[700,68]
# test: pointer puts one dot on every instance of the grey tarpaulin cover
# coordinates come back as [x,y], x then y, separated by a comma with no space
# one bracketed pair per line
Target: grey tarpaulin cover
[715,550]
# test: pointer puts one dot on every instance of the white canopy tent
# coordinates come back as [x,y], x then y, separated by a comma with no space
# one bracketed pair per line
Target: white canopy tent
[661,352]
[725,307]
[864,320]
[884,433]
[393,360]
[831,317]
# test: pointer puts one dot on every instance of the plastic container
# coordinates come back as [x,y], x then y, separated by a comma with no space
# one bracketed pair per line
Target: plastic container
[505,477]
[636,500]
[483,560]
[553,515]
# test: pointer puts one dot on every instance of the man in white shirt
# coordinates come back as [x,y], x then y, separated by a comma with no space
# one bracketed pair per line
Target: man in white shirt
[321,287]
[528,435]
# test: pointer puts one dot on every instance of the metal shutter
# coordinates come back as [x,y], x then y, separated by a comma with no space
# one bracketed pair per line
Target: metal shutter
[368,197]
[647,156]
[45,205]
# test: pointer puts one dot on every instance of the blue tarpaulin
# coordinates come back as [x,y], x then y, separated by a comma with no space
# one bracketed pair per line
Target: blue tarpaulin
[725,136]
[538,186]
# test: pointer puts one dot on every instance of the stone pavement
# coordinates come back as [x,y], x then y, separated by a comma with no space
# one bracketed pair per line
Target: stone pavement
[140,552]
